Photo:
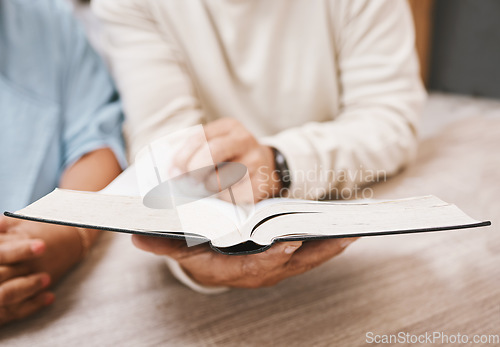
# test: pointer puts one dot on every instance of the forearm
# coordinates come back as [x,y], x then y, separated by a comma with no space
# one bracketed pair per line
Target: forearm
[331,158]
[92,172]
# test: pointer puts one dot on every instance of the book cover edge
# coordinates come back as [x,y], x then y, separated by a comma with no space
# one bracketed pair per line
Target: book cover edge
[255,251]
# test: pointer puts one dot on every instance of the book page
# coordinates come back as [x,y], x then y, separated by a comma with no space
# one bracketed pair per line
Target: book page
[344,219]
[127,213]
[125,184]
[101,210]
[285,219]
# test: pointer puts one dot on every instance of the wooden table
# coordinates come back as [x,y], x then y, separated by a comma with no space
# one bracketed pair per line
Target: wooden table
[445,282]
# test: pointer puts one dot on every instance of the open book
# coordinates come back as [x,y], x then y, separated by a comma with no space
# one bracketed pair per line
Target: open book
[232,230]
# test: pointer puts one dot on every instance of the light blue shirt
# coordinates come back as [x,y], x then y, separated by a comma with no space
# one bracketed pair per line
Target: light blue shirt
[57,101]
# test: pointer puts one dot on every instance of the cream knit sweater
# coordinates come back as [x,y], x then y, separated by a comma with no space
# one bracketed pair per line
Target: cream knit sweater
[333,84]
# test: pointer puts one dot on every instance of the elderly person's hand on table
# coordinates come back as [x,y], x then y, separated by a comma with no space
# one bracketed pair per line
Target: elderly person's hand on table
[209,268]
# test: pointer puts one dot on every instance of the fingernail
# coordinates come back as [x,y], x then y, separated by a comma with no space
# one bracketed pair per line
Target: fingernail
[45,279]
[37,247]
[346,242]
[49,299]
[292,247]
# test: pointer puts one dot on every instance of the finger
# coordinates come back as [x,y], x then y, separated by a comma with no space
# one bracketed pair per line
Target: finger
[8,223]
[314,253]
[20,250]
[21,288]
[226,148]
[222,150]
[216,177]
[198,173]
[183,156]
[176,249]
[194,155]
[241,192]
[26,308]
[219,150]
[223,176]
[211,182]
[13,237]
[3,224]
[220,127]
[8,272]
[251,271]
[199,146]
[275,257]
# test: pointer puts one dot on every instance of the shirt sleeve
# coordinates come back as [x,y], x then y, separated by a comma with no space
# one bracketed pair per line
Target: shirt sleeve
[90,104]
[149,71]
[179,273]
[375,132]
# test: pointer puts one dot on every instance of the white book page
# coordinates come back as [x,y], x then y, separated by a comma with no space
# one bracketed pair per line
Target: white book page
[220,222]
[125,184]
[344,219]
[212,218]
[101,210]
[114,212]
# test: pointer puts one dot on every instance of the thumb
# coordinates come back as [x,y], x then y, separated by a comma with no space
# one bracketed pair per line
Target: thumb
[278,254]
[3,224]
[176,249]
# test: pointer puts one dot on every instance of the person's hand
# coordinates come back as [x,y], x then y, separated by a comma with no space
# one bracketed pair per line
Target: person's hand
[207,267]
[230,141]
[22,290]
[32,256]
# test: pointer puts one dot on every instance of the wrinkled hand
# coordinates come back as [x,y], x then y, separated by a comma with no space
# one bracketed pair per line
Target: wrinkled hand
[230,141]
[282,260]
[22,290]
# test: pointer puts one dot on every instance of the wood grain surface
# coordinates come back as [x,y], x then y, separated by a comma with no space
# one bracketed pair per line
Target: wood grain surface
[447,282]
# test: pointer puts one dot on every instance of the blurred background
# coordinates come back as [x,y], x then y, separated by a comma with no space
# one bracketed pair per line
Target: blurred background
[459,45]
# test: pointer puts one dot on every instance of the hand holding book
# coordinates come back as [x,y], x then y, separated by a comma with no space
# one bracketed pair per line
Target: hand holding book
[289,236]
[209,268]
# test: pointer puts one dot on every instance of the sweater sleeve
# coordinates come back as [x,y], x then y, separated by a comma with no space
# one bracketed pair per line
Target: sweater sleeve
[375,130]
[149,71]
[179,273]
